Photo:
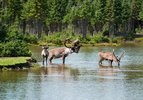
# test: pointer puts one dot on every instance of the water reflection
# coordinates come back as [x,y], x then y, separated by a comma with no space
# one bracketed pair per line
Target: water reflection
[57,70]
[108,72]
[105,67]
[13,76]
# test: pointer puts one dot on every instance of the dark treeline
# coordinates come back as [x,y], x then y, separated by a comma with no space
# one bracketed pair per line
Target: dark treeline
[79,16]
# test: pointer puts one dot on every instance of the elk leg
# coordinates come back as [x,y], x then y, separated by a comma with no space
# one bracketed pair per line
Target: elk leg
[64,58]
[50,60]
[43,59]
[46,59]
[110,61]
[100,61]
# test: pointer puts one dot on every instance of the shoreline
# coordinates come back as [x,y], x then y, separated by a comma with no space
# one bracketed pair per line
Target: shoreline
[95,44]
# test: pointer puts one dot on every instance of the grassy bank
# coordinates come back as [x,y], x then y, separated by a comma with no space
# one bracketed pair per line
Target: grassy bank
[14,61]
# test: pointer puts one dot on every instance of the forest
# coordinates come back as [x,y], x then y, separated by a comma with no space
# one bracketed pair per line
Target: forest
[66,18]
[78,16]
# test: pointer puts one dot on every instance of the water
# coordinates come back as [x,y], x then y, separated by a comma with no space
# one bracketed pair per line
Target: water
[79,79]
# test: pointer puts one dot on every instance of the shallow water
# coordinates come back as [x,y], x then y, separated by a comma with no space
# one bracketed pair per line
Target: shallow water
[79,79]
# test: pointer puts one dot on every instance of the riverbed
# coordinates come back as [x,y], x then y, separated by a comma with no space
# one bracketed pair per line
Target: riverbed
[81,78]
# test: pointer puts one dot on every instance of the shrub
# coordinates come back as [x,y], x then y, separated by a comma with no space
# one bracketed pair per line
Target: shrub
[56,38]
[101,39]
[106,33]
[114,40]
[13,35]
[117,40]
[130,37]
[30,38]
[15,48]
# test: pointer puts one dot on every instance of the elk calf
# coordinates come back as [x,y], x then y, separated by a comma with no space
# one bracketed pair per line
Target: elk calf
[110,56]
[45,53]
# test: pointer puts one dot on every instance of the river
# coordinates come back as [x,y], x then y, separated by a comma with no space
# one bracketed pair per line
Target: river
[79,79]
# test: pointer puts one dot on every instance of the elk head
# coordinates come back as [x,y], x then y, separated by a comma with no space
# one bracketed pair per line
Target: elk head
[75,47]
[118,59]
[44,47]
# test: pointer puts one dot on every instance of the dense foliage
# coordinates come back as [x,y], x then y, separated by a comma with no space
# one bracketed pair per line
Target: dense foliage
[81,16]
[13,43]
[91,20]
[14,49]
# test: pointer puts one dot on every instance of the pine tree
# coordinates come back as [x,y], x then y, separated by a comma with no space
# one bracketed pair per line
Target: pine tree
[140,17]
[97,17]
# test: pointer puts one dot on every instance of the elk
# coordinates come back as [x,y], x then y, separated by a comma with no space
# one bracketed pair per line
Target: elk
[62,52]
[110,56]
[45,53]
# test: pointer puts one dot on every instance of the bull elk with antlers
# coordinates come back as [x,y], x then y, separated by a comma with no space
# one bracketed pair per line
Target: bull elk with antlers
[110,56]
[62,52]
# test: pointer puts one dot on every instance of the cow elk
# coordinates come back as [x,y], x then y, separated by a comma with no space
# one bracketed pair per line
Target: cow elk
[62,52]
[44,53]
[110,56]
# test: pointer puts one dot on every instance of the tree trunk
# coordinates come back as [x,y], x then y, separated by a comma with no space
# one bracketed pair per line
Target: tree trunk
[59,26]
[91,29]
[131,26]
[84,27]
[24,26]
[75,27]
[39,28]
[53,27]
[111,30]
[45,29]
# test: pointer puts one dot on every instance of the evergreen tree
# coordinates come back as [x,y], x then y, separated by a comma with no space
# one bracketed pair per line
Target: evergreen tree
[97,17]
[34,13]
[140,17]
[49,16]
[56,14]
[135,9]
[125,15]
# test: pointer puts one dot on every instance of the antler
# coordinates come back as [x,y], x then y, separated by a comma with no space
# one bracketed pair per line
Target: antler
[113,50]
[65,43]
[76,42]
[122,54]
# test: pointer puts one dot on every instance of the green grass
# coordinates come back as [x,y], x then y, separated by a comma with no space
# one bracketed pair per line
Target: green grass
[140,39]
[6,61]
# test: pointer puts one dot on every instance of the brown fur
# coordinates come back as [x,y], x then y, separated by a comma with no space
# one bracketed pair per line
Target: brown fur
[62,52]
[110,56]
